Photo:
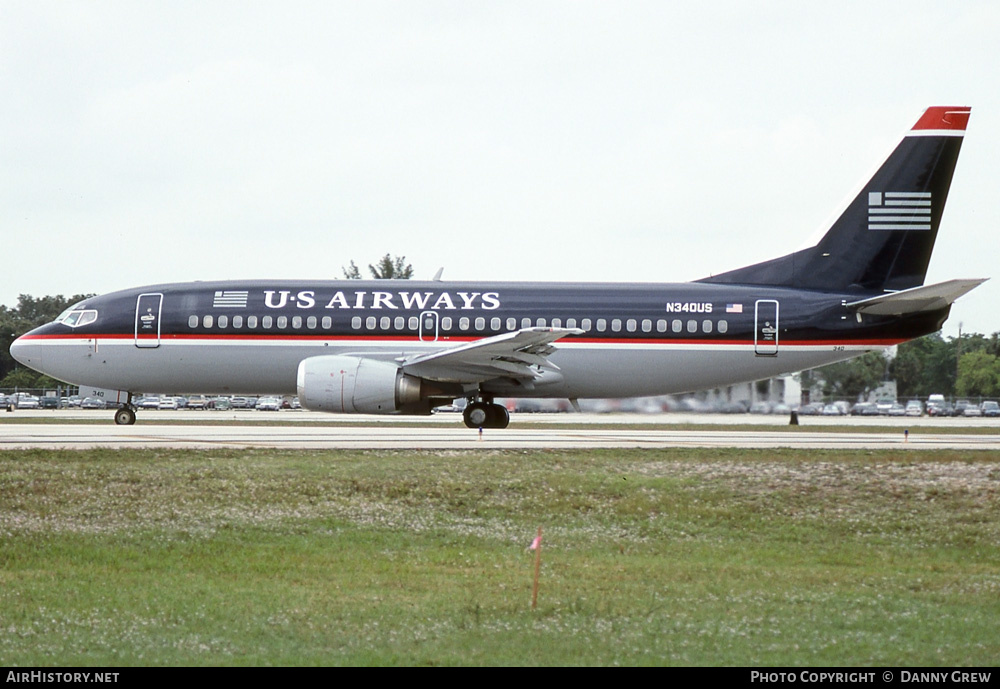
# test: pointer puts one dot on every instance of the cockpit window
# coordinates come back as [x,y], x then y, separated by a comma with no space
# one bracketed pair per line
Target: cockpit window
[76,316]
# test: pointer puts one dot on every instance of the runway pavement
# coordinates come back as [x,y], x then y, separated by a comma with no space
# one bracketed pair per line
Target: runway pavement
[446,432]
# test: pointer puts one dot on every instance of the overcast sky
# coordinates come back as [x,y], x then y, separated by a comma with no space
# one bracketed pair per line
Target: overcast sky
[145,142]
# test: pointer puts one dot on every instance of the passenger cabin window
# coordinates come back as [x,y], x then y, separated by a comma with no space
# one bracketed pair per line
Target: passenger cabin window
[192,321]
[223,321]
[328,322]
[251,321]
[237,322]
[723,326]
[585,325]
[311,322]
[266,322]
[602,325]
[207,321]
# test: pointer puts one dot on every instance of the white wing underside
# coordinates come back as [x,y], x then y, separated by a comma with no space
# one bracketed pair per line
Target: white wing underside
[523,355]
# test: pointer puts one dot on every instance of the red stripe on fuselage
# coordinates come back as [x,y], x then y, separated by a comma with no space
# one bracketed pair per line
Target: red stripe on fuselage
[877,342]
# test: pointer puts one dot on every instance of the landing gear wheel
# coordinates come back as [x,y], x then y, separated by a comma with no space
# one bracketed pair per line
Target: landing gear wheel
[499,416]
[476,415]
[125,416]
[483,415]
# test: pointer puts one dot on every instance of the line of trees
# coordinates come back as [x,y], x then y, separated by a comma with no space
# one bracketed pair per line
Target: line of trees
[966,366]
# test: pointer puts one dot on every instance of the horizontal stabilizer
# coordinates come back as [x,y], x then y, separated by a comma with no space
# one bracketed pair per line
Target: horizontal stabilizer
[916,299]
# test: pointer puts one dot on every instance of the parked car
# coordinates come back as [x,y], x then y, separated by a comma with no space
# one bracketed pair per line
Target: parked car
[92,403]
[940,409]
[197,402]
[972,410]
[48,402]
[914,408]
[897,409]
[23,400]
[960,407]
[990,408]
[168,403]
[268,404]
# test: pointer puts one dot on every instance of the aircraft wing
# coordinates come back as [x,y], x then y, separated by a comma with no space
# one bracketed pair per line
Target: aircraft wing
[916,299]
[521,354]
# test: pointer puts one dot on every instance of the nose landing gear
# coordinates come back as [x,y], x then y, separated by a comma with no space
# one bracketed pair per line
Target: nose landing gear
[483,414]
[125,414]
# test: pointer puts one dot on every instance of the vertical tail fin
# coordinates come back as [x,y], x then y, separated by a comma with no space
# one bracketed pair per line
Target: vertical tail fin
[883,240]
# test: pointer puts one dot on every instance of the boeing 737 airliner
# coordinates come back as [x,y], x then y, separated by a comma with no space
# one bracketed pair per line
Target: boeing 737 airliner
[405,347]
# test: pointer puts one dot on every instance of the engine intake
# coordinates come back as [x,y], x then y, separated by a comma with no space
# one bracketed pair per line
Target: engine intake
[355,385]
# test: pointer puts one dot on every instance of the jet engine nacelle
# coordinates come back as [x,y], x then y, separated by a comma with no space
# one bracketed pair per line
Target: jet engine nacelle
[355,385]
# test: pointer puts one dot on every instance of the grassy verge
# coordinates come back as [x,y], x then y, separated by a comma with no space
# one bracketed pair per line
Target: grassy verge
[691,557]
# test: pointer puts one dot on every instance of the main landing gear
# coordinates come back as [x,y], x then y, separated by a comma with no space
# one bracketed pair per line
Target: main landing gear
[483,414]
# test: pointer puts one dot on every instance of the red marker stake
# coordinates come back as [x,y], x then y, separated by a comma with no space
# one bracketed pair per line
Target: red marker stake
[537,545]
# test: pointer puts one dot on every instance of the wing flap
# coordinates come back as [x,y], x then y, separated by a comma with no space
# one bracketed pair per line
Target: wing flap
[522,354]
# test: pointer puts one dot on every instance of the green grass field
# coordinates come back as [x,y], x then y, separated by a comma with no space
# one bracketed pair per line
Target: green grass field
[659,557]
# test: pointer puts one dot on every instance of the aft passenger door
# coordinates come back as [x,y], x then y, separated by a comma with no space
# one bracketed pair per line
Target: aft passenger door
[765,338]
[148,308]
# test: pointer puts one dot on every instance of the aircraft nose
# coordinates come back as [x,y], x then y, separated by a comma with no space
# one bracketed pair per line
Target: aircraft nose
[26,352]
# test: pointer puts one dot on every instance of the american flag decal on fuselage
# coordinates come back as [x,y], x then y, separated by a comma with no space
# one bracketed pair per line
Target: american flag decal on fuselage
[899,210]
[230,299]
